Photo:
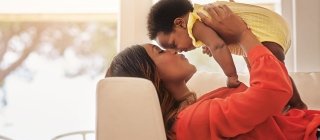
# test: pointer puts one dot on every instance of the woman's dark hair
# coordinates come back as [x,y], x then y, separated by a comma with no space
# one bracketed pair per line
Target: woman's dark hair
[135,62]
[162,15]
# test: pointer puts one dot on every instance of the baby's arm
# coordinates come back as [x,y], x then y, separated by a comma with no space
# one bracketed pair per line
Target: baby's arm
[219,51]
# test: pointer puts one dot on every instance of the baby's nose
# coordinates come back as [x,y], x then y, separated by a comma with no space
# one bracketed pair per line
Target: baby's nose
[172,51]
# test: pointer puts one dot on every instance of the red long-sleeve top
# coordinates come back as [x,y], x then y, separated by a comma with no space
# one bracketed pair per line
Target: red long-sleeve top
[249,113]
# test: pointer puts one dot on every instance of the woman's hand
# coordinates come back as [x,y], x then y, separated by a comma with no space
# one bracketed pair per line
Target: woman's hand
[228,25]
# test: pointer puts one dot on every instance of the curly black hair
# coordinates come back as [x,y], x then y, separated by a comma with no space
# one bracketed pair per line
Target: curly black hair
[163,13]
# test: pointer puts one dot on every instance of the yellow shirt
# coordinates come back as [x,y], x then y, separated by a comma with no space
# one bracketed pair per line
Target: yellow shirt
[264,23]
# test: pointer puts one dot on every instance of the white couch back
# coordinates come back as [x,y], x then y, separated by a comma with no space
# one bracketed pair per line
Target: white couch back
[128,108]
[308,85]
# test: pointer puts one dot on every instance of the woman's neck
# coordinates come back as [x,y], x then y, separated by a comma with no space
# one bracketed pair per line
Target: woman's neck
[182,94]
[178,89]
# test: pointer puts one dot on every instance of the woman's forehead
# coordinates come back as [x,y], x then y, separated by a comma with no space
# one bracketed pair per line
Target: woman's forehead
[151,47]
[152,50]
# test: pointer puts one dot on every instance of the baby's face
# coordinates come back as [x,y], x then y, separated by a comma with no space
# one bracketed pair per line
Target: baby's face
[178,40]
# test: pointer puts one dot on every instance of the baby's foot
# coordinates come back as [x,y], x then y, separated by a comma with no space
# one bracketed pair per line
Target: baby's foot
[233,82]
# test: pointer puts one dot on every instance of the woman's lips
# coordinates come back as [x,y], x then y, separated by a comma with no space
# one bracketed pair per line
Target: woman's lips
[183,57]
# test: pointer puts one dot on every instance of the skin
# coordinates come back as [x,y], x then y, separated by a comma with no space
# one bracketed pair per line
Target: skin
[174,69]
[179,40]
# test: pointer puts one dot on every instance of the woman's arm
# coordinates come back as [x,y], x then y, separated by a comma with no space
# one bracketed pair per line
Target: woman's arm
[270,86]
[269,91]
[219,51]
[241,112]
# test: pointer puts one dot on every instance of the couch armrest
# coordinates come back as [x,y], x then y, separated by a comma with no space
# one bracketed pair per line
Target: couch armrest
[128,108]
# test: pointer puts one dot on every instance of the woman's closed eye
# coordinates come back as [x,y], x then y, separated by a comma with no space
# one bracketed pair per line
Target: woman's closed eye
[161,51]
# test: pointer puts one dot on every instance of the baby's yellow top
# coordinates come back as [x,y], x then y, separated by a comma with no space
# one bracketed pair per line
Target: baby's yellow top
[264,23]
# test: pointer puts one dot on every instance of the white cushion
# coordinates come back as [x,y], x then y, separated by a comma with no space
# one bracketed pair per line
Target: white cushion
[128,109]
[308,85]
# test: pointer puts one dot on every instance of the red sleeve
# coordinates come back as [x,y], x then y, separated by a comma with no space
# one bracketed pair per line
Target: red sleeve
[269,91]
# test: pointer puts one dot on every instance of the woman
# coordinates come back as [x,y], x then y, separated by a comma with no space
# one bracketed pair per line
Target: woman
[239,113]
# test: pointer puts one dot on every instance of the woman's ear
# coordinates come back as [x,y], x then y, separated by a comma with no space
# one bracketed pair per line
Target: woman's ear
[180,22]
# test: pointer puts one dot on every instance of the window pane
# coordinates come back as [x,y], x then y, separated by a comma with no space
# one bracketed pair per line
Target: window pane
[50,63]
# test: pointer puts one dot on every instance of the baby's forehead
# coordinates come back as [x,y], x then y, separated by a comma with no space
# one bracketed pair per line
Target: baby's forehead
[164,39]
[165,43]
[157,44]
[160,47]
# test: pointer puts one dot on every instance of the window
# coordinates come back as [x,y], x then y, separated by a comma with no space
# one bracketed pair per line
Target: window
[52,53]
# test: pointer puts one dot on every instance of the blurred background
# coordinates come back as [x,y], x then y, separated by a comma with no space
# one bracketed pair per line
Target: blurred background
[52,54]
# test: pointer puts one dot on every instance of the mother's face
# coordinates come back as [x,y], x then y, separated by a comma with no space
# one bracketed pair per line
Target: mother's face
[172,67]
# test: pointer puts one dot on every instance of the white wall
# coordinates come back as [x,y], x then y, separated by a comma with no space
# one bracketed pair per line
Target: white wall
[304,20]
[133,22]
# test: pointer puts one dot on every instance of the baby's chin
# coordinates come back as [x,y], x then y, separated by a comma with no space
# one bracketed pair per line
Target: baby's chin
[189,49]
[192,48]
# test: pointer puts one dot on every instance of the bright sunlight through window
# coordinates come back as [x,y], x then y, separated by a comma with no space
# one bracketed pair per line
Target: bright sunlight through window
[52,53]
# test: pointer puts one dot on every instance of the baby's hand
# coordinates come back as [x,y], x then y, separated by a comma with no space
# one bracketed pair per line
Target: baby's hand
[233,82]
[206,50]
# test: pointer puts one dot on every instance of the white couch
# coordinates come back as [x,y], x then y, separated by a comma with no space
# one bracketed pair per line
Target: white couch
[128,108]
[308,85]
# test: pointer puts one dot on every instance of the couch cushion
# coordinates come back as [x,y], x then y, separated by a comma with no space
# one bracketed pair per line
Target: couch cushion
[308,85]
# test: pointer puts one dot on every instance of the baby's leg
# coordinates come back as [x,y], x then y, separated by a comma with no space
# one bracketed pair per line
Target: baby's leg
[295,101]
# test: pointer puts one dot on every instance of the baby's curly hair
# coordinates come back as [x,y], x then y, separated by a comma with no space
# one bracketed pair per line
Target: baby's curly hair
[163,13]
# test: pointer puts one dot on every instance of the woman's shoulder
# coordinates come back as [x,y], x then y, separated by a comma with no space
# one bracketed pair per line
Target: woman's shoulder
[198,112]
[207,99]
